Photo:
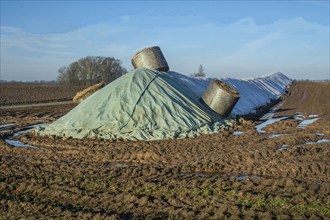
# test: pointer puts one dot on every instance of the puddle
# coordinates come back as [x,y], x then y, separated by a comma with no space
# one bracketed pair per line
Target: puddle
[323,141]
[243,177]
[307,122]
[187,175]
[27,129]
[272,112]
[313,116]
[299,117]
[16,143]
[300,146]
[119,165]
[268,116]
[319,141]
[6,125]
[283,147]
[36,125]
[23,131]
[319,134]
[270,121]
[202,175]
[238,132]
[276,135]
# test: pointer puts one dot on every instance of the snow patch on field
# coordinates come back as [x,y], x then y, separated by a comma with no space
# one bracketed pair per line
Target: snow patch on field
[255,92]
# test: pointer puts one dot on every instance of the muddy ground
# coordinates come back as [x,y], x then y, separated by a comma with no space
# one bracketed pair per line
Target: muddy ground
[279,172]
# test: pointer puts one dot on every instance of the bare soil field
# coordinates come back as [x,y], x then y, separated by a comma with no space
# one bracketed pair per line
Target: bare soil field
[280,171]
[26,93]
[307,98]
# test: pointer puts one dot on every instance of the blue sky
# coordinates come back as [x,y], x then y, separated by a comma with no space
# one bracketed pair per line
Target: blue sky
[230,38]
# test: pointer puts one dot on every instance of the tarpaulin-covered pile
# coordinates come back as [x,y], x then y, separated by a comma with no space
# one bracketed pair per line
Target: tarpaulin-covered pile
[141,105]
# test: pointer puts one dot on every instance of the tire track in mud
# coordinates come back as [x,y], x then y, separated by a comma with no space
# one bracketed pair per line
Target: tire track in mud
[36,105]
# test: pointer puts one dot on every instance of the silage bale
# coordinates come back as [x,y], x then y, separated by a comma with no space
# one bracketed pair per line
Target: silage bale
[82,95]
[220,97]
[151,58]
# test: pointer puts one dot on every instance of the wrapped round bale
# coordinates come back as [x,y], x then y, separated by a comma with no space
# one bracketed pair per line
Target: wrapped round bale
[220,97]
[151,58]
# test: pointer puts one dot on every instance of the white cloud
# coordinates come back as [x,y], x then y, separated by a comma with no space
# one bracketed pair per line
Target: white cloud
[239,49]
[8,29]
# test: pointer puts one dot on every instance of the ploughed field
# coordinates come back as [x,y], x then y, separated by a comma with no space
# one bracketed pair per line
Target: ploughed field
[27,93]
[250,171]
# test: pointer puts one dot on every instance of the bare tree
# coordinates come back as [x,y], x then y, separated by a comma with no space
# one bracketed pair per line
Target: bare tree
[63,77]
[200,72]
[91,70]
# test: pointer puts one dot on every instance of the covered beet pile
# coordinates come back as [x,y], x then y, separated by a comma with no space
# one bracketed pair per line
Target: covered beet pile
[141,105]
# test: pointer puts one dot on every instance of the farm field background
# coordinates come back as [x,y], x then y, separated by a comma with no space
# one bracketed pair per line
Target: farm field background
[27,93]
[281,170]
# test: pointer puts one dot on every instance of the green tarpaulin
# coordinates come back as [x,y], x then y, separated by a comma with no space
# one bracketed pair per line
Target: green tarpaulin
[141,105]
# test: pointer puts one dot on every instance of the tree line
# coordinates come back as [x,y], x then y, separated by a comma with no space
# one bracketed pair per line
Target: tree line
[90,70]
